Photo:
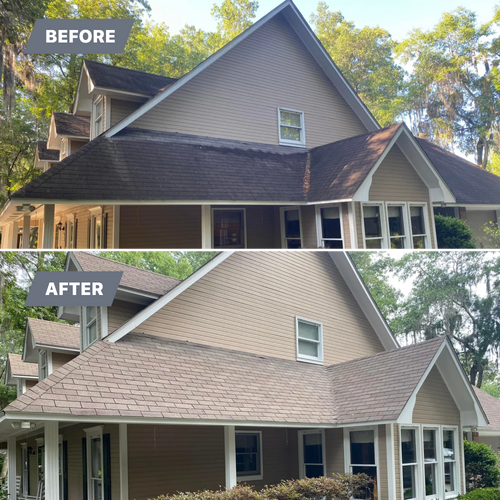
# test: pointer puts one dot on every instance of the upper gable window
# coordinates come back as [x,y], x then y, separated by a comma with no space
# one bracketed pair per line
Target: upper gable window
[309,340]
[43,364]
[90,326]
[291,127]
[98,116]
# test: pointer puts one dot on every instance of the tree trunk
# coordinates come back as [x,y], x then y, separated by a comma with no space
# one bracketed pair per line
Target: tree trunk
[480,378]
[473,373]
[479,152]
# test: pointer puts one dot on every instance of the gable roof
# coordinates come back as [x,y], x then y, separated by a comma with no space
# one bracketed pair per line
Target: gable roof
[53,334]
[470,184]
[16,367]
[133,277]
[126,80]
[491,406]
[45,154]
[70,125]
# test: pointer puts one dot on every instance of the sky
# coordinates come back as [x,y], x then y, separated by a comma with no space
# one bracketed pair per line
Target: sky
[396,16]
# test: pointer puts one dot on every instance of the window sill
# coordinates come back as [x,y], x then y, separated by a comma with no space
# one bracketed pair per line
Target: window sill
[292,144]
[250,478]
[309,360]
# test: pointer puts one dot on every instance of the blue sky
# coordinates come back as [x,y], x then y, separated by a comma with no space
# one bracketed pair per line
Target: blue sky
[396,16]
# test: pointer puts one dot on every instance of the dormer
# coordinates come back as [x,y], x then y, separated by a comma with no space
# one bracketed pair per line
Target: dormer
[68,133]
[20,374]
[44,157]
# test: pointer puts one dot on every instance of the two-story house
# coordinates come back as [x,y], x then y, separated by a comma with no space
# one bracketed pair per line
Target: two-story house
[260,366]
[263,145]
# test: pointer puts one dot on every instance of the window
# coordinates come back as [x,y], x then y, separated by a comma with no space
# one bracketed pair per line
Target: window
[291,127]
[363,458]
[95,460]
[64,148]
[248,455]
[430,462]
[409,461]
[329,224]
[450,462]
[70,235]
[90,326]
[312,453]
[43,364]
[229,228]
[98,116]
[96,229]
[396,219]
[418,226]
[372,224]
[309,340]
[40,458]
[25,470]
[291,227]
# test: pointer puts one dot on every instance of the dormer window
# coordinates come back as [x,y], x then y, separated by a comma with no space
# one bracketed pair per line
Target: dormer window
[43,364]
[89,326]
[98,115]
[291,127]
[64,148]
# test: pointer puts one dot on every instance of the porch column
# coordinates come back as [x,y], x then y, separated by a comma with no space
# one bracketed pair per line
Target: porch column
[123,437]
[230,455]
[391,462]
[14,228]
[26,231]
[48,226]
[51,473]
[11,467]
[206,226]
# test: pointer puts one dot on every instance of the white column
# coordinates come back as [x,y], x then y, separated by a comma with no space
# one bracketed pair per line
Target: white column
[206,226]
[391,462]
[116,226]
[48,226]
[230,455]
[14,228]
[26,231]
[11,467]
[123,434]
[51,443]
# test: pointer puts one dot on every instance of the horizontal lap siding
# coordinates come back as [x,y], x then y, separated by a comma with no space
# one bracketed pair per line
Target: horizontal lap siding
[120,312]
[359,224]
[383,490]
[30,383]
[346,227]
[120,109]
[76,145]
[476,219]
[334,445]
[160,226]
[168,459]
[238,95]
[60,359]
[107,214]
[309,235]
[249,303]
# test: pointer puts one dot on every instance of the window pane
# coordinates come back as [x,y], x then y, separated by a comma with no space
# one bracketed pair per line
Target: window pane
[429,445]
[95,454]
[330,221]
[333,244]
[430,479]
[308,348]
[449,444]
[397,243]
[419,242]
[228,228]
[449,476]
[314,471]
[313,449]
[409,482]
[373,244]
[92,332]
[292,224]
[247,454]
[408,446]
[91,313]
[371,216]
[369,493]
[396,221]
[293,243]
[362,447]
[97,487]
[247,443]
[417,220]
[290,134]
[289,118]
[308,331]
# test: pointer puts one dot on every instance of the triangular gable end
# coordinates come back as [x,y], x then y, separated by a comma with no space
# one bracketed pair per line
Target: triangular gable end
[306,35]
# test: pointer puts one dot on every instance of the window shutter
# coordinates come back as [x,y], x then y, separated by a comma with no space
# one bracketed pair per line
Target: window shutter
[106,466]
[76,233]
[105,231]
[65,468]
[84,468]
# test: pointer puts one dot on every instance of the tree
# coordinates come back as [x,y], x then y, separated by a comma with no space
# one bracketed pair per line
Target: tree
[481,466]
[366,58]
[454,86]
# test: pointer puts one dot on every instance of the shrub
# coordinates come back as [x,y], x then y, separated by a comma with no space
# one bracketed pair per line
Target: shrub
[453,233]
[481,466]
[481,494]
[337,487]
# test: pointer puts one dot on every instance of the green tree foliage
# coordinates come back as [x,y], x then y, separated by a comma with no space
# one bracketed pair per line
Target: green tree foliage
[481,470]
[366,58]
[453,233]
[454,86]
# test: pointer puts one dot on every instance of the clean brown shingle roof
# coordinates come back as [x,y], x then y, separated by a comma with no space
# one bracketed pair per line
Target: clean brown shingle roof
[133,277]
[46,154]
[491,407]
[51,333]
[20,368]
[147,376]
[72,125]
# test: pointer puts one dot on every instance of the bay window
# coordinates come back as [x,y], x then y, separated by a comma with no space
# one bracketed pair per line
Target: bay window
[363,459]
[312,453]
[228,228]
[291,229]
[329,224]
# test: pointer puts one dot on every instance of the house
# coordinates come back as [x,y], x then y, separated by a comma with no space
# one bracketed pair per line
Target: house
[489,434]
[260,366]
[263,145]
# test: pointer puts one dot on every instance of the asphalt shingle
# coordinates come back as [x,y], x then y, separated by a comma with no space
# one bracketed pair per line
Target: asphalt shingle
[46,154]
[20,368]
[491,407]
[51,333]
[72,125]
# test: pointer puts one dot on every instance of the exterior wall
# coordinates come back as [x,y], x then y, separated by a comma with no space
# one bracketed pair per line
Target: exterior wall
[359,224]
[76,145]
[121,109]
[238,95]
[383,489]
[30,383]
[492,441]
[476,219]
[259,296]
[346,226]
[120,312]
[60,359]
[309,236]
[334,445]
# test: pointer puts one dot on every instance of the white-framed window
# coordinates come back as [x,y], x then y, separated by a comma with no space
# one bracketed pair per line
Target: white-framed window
[361,447]
[249,455]
[64,148]
[450,465]
[419,225]
[229,228]
[430,437]
[312,461]
[70,235]
[329,226]
[291,127]
[397,222]
[98,116]
[95,461]
[96,229]
[409,462]
[24,470]
[89,326]
[291,227]
[373,225]
[44,363]
[309,340]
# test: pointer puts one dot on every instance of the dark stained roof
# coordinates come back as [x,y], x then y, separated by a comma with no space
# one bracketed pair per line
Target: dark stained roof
[133,277]
[156,377]
[470,184]
[128,80]
[72,125]
[45,154]
[491,407]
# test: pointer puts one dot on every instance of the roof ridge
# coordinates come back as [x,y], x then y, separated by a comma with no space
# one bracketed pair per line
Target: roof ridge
[128,69]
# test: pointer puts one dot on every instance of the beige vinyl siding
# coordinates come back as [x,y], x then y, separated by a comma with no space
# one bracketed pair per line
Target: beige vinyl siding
[30,383]
[383,492]
[238,95]
[76,145]
[120,109]
[476,219]
[147,226]
[434,403]
[120,312]
[167,459]
[309,235]
[60,359]
[359,223]
[346,227]
[259,295]
[33,468]
[334,448]
[397,462]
